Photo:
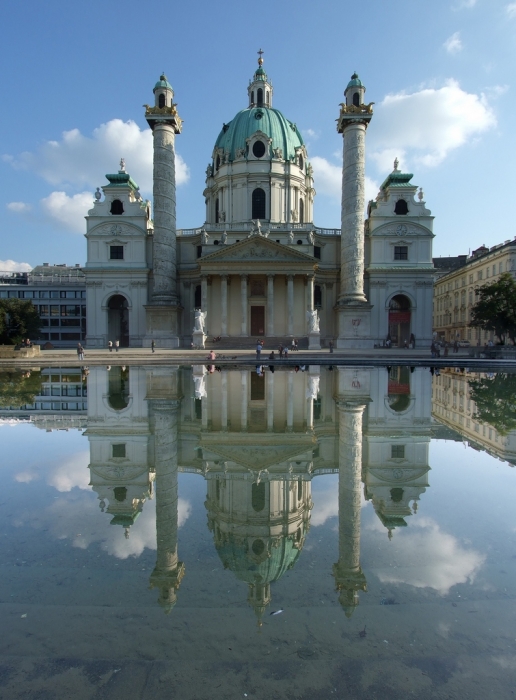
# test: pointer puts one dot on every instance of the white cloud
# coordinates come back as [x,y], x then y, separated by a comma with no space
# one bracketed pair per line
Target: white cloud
[511,10]
[70,473]
[82,161]
[465,5]
[310,134]
[68,211]
[427,557]
[453,43]
[425,126]
[18,207]
[328,179]
[13,266]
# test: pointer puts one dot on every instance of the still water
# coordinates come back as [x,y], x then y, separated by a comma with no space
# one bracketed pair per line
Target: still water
[174,532]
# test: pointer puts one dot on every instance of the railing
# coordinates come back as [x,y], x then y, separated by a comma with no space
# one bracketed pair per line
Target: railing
[244,226]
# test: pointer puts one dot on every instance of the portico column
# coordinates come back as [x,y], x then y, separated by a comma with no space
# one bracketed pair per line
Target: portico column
[290,305]
[224,402]
[244,374]
[204,293]
[243,294]
[270,305]
[224,305]
[290,402]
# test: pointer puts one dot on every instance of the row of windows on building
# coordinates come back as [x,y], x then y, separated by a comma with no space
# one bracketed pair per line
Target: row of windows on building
[50,406]
[42,294]
[490,271]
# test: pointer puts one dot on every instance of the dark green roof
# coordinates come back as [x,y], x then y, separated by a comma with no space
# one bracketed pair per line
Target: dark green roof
[122,180]
[284,134]
[234,556]
[162,83]
[397,179]
[355,81]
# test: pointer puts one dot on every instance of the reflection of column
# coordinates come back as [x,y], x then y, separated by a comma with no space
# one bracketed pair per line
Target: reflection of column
[290,304]
[204,412]
[349,578]
[224,305]
[168,571]
[270,305]
[310,413]
[270,401]
[224,403]
[243,295]
[244,374]
[290,402]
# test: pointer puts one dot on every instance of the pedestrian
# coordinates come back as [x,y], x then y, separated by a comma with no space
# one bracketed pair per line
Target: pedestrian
[281,350]
[412,341]
[293,345]
[212,356]
[446,349]
[258,350]
[456,346]
[432,349]
[110,345]
[153,345]
[331,345]
[405,344]
[285,353]
[80,352]
[272,356]
[117,345]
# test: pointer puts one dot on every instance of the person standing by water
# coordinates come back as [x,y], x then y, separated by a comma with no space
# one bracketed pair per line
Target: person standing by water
[330,345]
[117,345]
[281,350]
[80,352]
[110,345]
[258,350]
[153,346]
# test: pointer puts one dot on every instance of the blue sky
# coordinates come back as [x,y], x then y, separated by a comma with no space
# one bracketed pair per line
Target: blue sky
[75,77]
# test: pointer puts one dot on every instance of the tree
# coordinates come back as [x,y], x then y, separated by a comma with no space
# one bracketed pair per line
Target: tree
[495,400]
[496,308]
[19,388]
[18,320]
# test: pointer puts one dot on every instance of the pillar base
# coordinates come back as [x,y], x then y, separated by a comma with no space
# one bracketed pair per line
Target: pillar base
[354,326]
[198,339]
[314,341]
[161,326]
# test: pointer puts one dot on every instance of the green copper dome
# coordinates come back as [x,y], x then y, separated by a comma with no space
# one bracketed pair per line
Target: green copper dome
[271,122]
[162,83]
[234,557]
[355,81]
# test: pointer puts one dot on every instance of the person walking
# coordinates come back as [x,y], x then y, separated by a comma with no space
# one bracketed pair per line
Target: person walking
[117,345]
[258,350]
[330,344]
[80,352]
[285,353]
[281,350]
[110,345]
[293,345]
[153,346]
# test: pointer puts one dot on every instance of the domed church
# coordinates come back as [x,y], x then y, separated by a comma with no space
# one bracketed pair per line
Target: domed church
[258,267]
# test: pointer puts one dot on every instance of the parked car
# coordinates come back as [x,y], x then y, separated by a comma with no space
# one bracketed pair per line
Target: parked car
[464,344]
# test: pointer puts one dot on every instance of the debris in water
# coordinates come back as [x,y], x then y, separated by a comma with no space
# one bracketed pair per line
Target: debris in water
[24,615]
[363,633]
[277,612]
[388,601]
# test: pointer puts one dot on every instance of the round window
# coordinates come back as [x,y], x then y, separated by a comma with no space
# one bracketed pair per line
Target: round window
[258,149]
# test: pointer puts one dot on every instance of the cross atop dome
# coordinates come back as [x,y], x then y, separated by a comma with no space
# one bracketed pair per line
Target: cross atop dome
[260,60]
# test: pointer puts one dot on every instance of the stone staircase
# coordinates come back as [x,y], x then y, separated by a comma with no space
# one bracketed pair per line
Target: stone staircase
[250,343]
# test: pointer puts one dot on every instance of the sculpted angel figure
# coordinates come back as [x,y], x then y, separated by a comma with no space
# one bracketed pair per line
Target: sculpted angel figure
[312,318]
[199,321]
[204,237]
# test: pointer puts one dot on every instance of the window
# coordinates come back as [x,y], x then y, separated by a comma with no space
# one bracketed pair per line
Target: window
[70,322]
[161,100]
[317,251]
[400,252]
[317,296]
[259,96]
[267,97]
[217,211]
[43,310]
[356,99]
[54,310]
[116,252]
[117,207]
[301,164]
[70,310]
[199,251]
[258,496]
[397,451]
[258,201]
[119,451]
[252,97]
[70,336]
[479,275]
[401,207]
[258,149]
[198,297]
[301,208]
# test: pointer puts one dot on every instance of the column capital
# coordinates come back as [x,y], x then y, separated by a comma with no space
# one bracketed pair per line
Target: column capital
[290,278]
[244,276]
[224,277]
[271,275]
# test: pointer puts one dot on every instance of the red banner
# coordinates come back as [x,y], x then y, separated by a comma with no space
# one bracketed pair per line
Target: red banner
[396,388]
[399,316]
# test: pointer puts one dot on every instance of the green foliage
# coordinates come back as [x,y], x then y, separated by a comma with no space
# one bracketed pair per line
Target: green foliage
[18,320]
[496,308]
[495,399]
[19,388]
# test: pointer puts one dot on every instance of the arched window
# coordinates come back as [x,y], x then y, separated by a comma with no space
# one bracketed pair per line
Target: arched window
[252,97]
[266,97]
[161,100]
[301,211]
[117,207]
[258,496]
[120,493]
[356,99]
[259,95]
[301,162]
[217,213]
[401,207]
[217,163]
[258,204]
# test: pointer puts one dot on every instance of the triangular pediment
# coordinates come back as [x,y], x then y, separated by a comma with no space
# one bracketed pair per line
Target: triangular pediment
[258,249]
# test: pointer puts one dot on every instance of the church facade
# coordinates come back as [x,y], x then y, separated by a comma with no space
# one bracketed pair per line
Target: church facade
[258,267]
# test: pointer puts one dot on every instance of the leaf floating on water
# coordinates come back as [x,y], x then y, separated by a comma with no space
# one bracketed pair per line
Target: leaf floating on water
[277,612]
[24,615]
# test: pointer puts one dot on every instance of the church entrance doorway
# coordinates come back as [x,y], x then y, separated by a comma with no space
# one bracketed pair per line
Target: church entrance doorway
[399,320]
[257,320]
[118,320]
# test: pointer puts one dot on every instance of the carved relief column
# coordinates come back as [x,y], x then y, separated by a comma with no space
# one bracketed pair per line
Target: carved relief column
[243,294]
[224,305]
[270,305]
[348,574]
[244,375]
[290,305]
[290,402]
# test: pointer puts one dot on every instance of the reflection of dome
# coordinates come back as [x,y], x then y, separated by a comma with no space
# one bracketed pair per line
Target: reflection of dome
[251,562]
[271,122]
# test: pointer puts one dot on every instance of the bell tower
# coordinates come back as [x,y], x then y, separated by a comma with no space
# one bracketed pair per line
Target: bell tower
[260,88]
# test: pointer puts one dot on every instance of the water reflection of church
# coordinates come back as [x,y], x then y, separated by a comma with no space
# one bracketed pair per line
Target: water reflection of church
[258,441]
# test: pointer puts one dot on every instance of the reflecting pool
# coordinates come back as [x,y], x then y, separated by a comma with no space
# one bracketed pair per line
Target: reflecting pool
[209,533]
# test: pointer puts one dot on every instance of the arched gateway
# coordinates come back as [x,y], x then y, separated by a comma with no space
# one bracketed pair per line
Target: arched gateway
[118,320]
